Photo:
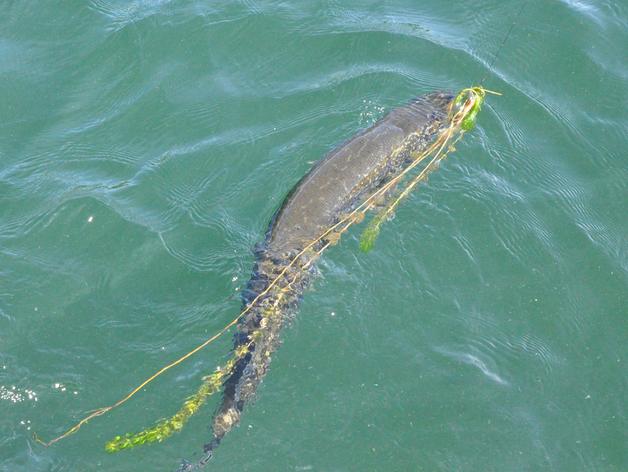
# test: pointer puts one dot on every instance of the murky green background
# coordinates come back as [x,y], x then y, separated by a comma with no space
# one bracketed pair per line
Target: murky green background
[144,146]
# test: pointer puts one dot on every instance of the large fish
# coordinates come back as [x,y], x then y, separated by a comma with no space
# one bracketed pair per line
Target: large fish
[332,188]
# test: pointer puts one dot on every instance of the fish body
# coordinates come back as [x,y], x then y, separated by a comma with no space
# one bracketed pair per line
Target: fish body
[333,187]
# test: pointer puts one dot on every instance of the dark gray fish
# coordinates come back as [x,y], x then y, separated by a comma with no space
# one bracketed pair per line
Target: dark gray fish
[333,187]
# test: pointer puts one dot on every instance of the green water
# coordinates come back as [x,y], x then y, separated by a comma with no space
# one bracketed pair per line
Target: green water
[144,146]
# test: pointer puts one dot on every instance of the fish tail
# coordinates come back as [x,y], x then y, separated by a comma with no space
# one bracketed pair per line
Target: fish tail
[259,334]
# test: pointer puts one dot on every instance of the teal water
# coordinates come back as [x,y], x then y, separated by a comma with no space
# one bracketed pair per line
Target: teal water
[144,146]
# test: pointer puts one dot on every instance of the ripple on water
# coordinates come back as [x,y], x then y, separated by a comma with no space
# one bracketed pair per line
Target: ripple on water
[416,23]
[123,14]
[199,258]
[488,337]
[481,361]
[586,8]
[515,135]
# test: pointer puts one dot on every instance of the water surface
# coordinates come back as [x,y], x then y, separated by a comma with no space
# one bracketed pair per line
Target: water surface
[144,146]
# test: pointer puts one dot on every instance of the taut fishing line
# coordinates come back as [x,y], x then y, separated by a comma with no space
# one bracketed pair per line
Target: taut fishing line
[503,43]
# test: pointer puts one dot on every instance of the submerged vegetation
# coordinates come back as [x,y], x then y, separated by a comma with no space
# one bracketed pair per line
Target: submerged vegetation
[462,116]
[167,427]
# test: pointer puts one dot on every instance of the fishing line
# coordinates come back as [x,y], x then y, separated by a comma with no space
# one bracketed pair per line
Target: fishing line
[503,43]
